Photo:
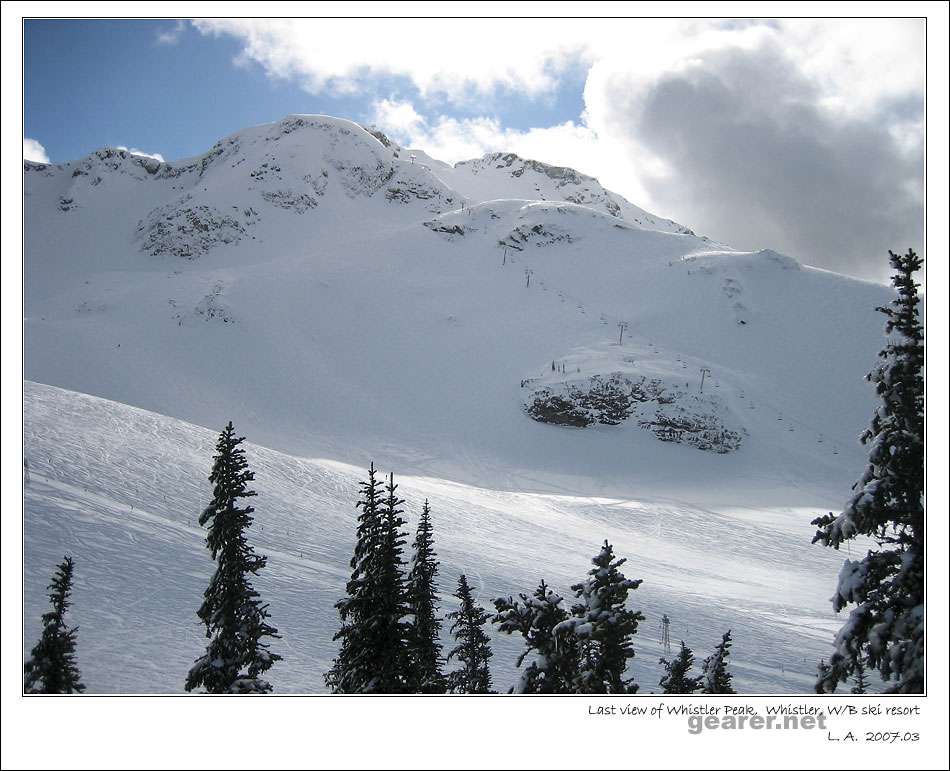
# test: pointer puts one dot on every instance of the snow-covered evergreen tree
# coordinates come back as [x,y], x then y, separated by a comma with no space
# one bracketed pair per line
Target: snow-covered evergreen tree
[676,678]
[716,676]
[352,669]
[821,672]
[426,650]
[604,626]
[555,662]
[472,649]
[52,666]
[374,637]
[860,677]
[886,587]
[394,626]
[235,618]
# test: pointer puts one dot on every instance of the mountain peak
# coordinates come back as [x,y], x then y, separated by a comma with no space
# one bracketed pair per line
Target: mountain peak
[290,162]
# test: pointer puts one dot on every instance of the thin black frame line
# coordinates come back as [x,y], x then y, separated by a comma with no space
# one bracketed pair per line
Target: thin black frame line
[925,19]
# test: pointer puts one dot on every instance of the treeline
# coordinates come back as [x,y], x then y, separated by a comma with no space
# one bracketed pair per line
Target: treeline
[390,628]
[390,622]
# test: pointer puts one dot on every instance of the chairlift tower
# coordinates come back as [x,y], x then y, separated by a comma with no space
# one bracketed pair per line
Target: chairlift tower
[703,371]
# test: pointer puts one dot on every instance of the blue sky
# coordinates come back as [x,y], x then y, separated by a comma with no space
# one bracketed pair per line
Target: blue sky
[90,84]
[804,136]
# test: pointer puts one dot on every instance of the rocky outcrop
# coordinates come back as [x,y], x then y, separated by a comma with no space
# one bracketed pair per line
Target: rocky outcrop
[187,229]
[445,229]
[608,400]
[211,308]
[539,234]
[705,431]
[670,414]
[403,188]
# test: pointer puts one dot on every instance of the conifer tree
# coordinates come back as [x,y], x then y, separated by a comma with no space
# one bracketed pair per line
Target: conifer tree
[716,676]
[235,618]
[52,664]
[472,648]
[860,677]
[375,633]
[822,672]
[554,666]
[886,587]
[352,669]
[677,678]
[603,626]
[426,650]
[393,626]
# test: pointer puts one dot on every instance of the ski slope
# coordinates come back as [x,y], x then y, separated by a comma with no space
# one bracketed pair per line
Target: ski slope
[120,489]
[344,300]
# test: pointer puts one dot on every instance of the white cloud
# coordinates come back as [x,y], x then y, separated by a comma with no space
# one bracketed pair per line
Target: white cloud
[857,62]
[136,151]
[800,91]
[398,118]
[34,151]
[439,57]
[766,139]
[171,36]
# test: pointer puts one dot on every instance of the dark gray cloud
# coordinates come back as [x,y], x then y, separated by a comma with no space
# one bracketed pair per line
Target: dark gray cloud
[758,163]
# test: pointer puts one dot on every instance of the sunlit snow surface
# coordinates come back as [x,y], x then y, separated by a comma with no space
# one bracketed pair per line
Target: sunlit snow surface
[120,490]
[341,301]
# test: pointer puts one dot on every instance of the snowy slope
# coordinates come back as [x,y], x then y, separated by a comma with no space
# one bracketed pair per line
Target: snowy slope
[341,300]
[481,179]
[120,490]
[345,302]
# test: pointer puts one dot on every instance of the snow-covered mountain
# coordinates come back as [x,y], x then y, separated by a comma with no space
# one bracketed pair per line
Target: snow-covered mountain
[344,299]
